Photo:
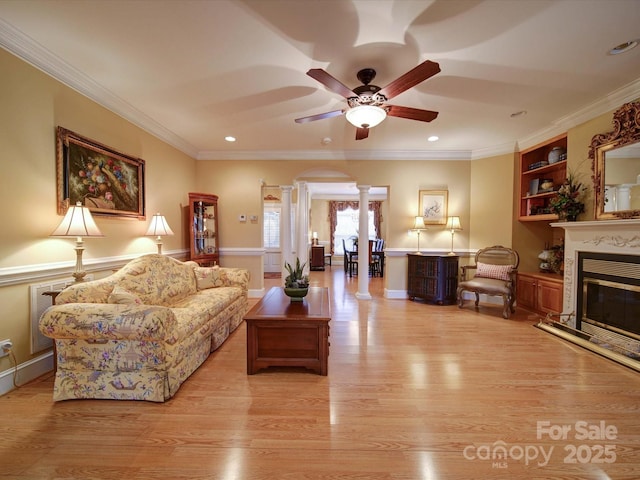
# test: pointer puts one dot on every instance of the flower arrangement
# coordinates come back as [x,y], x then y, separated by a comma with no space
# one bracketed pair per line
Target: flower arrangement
[296,277]
[552,259]
[568,201]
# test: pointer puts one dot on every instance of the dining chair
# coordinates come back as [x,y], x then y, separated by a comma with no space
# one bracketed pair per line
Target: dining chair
[378,254]
[349,259]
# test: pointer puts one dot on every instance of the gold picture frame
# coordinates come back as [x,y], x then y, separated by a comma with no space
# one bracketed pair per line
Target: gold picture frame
[433,206]
[104,180]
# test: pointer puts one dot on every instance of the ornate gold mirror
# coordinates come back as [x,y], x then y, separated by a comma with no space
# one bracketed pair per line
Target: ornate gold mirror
[615,158]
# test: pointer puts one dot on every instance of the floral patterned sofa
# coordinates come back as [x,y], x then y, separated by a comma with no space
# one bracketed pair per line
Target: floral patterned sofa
[140,332]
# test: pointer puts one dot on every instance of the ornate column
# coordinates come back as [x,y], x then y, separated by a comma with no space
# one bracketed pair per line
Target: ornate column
[302,224]
[363,244]
[285,229]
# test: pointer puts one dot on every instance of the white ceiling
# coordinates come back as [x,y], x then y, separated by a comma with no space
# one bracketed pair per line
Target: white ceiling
[191,72]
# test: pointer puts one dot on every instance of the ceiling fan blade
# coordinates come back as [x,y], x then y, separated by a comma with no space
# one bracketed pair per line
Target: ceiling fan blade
[362,133]
[411,78]
[331,83]
[320,116]
[411,113]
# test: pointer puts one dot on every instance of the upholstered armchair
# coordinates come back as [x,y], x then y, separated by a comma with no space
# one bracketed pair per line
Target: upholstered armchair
[494,273]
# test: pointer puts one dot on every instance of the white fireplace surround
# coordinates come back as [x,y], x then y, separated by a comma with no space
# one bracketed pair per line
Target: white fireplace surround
[604,236]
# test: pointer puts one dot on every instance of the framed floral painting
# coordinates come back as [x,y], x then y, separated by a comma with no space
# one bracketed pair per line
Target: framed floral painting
[433,206]
[104,180]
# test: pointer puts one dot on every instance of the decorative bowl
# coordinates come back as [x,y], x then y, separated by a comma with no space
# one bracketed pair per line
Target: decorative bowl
[296,294]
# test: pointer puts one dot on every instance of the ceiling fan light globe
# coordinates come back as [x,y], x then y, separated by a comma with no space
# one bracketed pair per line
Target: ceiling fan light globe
[366,116]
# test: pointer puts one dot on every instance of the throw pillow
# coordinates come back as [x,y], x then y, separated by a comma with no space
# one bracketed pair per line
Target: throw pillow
[207,277]
[120,295]
[499,272]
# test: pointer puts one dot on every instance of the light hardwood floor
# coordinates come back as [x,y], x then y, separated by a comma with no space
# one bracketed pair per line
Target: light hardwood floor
[414,392]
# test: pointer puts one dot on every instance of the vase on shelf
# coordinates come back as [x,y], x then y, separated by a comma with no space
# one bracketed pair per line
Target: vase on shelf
[555,155]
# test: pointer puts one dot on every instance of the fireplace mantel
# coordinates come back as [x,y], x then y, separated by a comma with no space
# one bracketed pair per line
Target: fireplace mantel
[604,236]
[600,225]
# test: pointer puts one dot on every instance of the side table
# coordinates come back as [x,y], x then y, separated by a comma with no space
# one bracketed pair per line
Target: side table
[433,278]
[53,294]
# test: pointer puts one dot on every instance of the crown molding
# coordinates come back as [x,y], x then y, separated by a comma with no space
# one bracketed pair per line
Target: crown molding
[505,148]
[24,47]
[612,101]
[336,155]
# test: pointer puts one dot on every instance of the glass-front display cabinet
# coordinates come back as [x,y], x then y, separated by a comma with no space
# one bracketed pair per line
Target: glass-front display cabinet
[203,229]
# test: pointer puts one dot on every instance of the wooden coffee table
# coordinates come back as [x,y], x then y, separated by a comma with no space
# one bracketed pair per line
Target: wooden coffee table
[289,334]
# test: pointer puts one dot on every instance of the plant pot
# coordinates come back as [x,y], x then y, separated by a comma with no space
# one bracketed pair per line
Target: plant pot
[567,217]
[296,294]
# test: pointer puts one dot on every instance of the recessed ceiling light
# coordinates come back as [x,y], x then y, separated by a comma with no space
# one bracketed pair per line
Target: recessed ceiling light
[433,138]
[623,47]
[229,138]
[521,113]
[326,140]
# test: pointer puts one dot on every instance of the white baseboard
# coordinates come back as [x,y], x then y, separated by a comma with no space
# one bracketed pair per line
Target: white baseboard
[256,292]
[27,371]
[395,294]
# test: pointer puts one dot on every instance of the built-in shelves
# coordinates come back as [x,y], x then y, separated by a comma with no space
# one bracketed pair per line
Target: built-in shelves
[535,170]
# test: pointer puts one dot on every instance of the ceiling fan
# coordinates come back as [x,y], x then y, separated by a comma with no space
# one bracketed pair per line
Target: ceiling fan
[367,103]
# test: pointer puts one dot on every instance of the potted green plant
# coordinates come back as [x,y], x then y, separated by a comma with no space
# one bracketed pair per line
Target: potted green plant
[567,203]
[296,284]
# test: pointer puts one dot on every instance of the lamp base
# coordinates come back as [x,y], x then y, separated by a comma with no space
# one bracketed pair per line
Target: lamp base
[79,273]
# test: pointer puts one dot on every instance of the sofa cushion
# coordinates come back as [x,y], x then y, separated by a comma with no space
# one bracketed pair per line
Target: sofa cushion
[122,296]
[157,279]
[207,277]
[490,286]
[499,272]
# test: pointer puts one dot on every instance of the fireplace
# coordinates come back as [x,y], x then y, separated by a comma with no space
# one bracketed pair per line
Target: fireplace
[601,307]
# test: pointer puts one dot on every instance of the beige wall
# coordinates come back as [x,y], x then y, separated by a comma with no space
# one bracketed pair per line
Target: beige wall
[491,202]
[33,104]
[238,183]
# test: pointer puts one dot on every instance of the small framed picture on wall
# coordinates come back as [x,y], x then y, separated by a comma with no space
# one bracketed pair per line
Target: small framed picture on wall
[433,206]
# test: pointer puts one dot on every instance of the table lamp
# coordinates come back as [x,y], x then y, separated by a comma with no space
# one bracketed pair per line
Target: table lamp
[418,227]
[159,228]
[78,223]
[453,224]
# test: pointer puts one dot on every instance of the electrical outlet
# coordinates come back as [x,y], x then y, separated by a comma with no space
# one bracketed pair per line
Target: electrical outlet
[5,346]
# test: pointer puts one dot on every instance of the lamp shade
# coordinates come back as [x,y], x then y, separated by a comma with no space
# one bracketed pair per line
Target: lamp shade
[159,226]
[366,116]
[453,223]
[77,222]
[418,223]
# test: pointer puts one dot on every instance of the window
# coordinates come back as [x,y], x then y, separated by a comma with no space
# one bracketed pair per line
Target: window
[272,227]
[347,228]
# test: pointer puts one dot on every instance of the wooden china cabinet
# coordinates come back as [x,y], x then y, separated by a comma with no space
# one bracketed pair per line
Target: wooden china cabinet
[203,229]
